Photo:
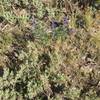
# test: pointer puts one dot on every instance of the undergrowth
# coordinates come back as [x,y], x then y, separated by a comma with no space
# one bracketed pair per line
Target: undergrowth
[49,51]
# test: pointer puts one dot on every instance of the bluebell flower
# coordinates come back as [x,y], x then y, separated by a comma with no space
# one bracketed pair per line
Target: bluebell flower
[54,24]
[65,20]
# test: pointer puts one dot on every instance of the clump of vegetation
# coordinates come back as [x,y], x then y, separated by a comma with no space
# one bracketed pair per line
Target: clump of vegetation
[49,50]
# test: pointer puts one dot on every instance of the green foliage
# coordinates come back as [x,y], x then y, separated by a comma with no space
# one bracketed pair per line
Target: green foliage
[41,62]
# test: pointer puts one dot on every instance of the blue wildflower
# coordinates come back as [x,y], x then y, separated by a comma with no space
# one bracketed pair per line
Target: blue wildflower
[65,20]
[54,24]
